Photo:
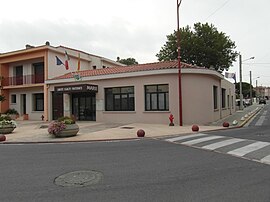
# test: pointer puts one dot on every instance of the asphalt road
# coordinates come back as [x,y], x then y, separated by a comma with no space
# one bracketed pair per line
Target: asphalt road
[143,170]
[257,129]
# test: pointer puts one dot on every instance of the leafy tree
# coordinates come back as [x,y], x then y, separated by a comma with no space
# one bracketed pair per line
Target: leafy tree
[245,89]
[204,46]
[128,61]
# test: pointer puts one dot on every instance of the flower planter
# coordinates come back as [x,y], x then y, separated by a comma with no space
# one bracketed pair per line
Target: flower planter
[6,129]
[69,131]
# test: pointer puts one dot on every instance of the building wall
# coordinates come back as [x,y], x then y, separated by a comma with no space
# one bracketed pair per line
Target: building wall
[197,93]
[198,106]
[33,115]
[139,115]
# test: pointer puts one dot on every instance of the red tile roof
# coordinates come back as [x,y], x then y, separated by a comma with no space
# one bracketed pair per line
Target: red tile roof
[131,68]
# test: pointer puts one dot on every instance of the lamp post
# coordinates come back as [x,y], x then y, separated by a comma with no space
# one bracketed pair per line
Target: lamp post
[240,80]
[179,66]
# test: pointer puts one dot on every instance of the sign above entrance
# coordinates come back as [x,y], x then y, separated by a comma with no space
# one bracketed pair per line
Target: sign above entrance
[76,88]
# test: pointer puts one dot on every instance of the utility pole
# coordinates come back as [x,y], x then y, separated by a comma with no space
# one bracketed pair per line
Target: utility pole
[250,88]
[240,82]
[179,67]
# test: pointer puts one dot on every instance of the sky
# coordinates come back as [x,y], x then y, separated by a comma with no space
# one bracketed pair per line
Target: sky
[138,29]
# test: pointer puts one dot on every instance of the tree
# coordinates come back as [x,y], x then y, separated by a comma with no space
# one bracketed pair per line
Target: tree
[245,89]
[128,61]
[204,46]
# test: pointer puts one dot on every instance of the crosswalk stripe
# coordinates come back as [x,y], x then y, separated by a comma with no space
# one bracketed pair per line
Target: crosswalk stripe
[266,159]
[249,148]
[222,144]
[204,139]
[185,137]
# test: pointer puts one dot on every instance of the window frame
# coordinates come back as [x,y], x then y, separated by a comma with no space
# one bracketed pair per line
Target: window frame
[155,98]
[120,99]
[36,99]
[13,99]
[215,97]
[223,98]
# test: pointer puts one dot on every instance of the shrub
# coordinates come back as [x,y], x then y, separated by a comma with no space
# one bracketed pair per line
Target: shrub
[66,120]
[12,111]
[56,127]
[6,121]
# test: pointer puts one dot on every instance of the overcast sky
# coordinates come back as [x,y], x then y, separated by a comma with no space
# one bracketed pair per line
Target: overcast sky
[137,28]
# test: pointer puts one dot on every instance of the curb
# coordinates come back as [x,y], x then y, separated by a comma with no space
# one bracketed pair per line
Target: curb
[72,141]
[250,117]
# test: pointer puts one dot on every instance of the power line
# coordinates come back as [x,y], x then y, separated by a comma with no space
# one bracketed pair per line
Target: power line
[217,9]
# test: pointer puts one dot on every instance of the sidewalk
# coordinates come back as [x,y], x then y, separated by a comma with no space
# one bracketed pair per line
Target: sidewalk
[36,131]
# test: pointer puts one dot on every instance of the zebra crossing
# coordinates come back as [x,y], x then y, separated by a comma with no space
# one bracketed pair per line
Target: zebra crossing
[249,149]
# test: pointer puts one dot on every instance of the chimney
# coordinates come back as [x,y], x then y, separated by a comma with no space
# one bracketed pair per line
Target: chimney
[47,43]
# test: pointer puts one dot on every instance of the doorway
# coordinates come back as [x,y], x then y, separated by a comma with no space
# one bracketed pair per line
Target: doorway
[57,105]
[23,103]
[84,106]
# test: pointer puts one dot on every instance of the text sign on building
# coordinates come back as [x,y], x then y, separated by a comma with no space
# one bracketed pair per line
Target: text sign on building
[76,88]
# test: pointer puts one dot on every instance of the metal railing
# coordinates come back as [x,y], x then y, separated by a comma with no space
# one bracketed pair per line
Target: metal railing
[23,80]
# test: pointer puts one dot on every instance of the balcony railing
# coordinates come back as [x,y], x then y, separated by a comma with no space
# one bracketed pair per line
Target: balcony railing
[23,80]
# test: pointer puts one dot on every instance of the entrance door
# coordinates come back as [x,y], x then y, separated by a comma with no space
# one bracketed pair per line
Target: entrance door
[23,103]
[84,106]
[57,105]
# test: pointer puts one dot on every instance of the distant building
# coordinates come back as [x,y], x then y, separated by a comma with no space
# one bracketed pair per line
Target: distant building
[59,81]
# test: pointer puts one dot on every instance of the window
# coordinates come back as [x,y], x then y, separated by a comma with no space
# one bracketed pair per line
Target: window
[119,99]
[38,102]
[157,97]
[228,100]
[223,98]
[38,69]
[215,96]
[13,99]
[94,67]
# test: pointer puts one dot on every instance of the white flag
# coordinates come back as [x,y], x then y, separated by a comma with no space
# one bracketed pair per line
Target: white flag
[230,76]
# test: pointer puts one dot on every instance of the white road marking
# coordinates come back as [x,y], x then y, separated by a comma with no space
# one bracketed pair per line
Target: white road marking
[260,121]
[266,159]
[249,148]
[222,144]
[184,137]
[204,139]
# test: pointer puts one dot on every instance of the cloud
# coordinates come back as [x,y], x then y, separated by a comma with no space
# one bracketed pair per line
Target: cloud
[117,38]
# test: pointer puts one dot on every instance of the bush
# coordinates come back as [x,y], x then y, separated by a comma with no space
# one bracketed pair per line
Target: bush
[7,121]
[66,120]
[56,127]
[12,111]
[5,118]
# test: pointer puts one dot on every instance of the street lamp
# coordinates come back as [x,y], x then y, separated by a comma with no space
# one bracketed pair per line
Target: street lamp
[240,83]
[179,66]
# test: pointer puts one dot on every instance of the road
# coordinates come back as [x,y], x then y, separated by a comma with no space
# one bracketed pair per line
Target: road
[143,170]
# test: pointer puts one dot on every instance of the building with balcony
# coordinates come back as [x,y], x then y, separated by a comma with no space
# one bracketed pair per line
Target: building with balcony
[24,72]
[37,82]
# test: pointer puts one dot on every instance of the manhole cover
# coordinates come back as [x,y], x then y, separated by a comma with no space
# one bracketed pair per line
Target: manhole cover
[79,179]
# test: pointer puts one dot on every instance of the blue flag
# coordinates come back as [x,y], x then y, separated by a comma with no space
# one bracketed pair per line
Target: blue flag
[58,61]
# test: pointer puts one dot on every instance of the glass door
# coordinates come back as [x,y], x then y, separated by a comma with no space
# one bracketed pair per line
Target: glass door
[84,106]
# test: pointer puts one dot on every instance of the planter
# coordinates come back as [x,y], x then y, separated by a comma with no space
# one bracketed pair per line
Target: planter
[6,129]
[25,117]
[13,116]
[69,131]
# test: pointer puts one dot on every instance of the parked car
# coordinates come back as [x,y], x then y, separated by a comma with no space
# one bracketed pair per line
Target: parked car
[262,101]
